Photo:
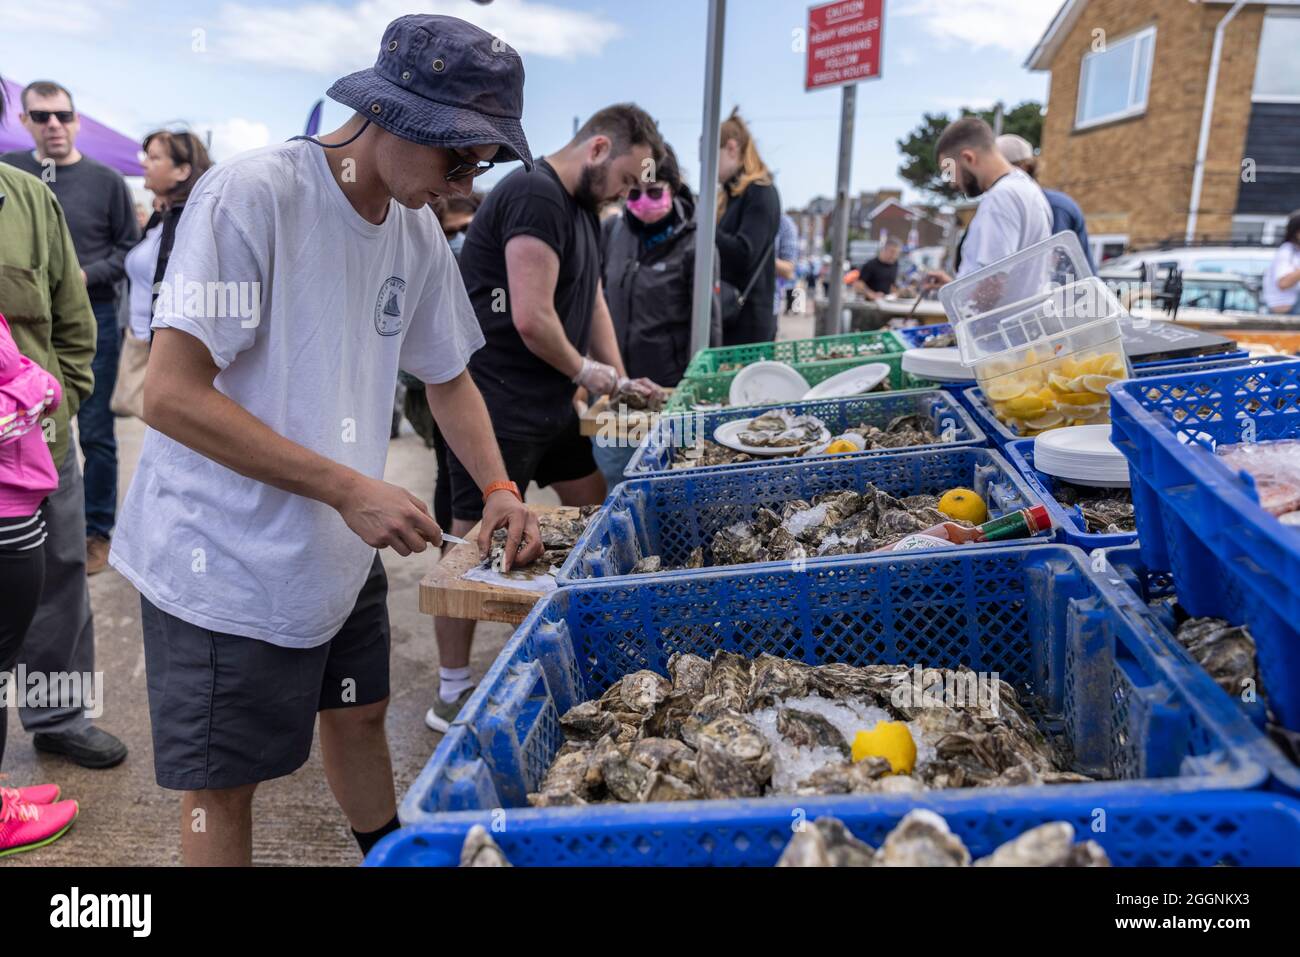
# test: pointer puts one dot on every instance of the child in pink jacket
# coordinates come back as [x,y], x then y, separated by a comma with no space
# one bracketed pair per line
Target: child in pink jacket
[33,816]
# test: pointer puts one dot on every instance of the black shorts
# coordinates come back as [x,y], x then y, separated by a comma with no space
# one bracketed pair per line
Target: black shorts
[562,458]
[228,711]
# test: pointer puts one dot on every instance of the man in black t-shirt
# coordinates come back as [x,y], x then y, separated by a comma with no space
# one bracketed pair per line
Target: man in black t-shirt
[876,277]
[531,265]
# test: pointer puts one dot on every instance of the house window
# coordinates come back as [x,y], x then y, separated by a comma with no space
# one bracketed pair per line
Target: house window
[1277,70]
[1264,230]
[1114,82]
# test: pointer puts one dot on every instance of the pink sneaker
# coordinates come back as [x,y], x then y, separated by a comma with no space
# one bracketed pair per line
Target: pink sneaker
[36,794]
[24,827]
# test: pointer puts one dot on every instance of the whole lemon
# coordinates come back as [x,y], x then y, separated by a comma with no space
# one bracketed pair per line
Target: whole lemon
[890,740]
[964,505]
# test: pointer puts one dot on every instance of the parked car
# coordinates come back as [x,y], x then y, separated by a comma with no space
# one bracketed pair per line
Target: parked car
[1248,261]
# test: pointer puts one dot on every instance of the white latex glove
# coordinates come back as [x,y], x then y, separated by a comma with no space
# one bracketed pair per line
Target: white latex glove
[596,377]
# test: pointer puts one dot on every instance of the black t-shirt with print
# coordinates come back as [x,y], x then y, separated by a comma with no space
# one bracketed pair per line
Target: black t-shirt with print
[527,398]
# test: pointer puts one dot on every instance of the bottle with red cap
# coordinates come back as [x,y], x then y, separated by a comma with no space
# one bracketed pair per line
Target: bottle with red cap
[1024,523]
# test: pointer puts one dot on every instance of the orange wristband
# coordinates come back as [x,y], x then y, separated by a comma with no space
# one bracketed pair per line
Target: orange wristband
[510,487]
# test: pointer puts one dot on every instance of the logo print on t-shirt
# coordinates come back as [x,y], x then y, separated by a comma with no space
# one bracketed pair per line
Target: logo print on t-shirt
[388,307]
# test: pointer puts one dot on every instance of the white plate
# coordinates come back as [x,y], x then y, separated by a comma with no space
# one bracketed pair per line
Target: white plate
[1082,454]
[940,364]
[855,381]
[767,383]
[726,434]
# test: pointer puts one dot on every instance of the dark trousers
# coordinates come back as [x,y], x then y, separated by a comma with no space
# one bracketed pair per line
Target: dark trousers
[22,576]
[95,428]
[62,635]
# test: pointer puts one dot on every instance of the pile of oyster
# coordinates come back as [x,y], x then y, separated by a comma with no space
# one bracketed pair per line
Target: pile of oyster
[1106,511]
[834,523]
[921,839]
[899,432]
[1226,651]
[782,429]
[734,727]
[560,530]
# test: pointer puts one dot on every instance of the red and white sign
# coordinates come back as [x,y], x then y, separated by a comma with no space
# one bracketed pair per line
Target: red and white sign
[844,42]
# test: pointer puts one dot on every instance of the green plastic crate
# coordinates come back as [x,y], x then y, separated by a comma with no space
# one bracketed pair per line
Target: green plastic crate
[730,359]
[716,387]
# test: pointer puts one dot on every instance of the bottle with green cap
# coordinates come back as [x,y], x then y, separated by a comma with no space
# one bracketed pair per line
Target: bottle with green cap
[1023,523]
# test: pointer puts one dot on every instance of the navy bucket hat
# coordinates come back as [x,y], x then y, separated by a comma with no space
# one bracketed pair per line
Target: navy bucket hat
[440,81]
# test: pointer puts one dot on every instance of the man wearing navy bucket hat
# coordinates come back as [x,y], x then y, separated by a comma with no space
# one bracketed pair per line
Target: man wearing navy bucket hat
[303,277]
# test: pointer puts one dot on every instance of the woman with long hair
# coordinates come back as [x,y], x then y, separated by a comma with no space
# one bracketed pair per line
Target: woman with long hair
[749,217]
[1282,281]
[173,163]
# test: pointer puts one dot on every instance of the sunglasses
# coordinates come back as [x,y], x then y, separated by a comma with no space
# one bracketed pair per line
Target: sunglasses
[654,192]
[41,117]
[467,169]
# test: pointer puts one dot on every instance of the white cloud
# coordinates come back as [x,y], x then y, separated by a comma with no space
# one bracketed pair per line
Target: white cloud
[54,16]
[1010,25]
[235,135]
[328,38]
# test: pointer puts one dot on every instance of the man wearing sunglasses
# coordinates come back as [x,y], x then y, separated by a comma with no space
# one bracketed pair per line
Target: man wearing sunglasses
[252,523]
[101,219]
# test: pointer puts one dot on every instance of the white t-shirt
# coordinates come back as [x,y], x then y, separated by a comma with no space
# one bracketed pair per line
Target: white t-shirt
[1285,260]
[1013,214]
[141,265]
[343,304]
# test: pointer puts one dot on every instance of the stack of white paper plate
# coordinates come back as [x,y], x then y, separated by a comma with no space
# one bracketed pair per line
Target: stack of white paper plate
[1082,454]
[940,365]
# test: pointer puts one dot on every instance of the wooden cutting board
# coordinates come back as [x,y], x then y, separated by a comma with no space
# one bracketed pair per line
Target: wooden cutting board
[589,423]
[444,593]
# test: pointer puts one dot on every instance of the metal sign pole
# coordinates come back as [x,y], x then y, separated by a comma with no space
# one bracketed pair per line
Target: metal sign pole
[705,212]
[833,322]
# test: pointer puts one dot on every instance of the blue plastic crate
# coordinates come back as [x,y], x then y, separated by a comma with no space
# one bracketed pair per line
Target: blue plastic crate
[1035,614]
[917,336]
[671,515]
[1126,567]
[1069,522]
[655,454]
[999,435]
[1229,558]
[1234,828]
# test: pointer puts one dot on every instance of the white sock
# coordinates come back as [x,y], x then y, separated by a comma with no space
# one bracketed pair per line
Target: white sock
[452,682]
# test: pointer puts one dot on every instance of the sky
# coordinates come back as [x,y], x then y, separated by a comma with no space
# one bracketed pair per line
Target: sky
[250,71]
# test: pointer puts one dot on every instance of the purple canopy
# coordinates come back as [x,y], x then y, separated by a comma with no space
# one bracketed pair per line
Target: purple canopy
[95,139]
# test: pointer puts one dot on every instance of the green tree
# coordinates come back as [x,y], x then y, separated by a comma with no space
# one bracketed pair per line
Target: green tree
[920,167]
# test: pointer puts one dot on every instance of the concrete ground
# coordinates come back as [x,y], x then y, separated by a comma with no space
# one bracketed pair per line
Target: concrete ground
[126,819]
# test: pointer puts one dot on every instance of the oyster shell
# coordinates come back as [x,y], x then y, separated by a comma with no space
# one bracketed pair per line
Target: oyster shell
[651,563]
[1225,651]
[642,690]
[826,842]
[1048,845]
[479,850]
[734,759]
[807,730]
[781,429]
[772,678]
[588,721]
[922,839]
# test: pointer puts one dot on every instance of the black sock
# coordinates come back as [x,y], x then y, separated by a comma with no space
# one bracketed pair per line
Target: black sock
[371,838]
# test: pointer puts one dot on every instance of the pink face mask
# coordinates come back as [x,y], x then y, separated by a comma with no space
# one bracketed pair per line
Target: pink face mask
[650,210]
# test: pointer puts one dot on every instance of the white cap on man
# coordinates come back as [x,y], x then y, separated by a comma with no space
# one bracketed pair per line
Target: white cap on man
[1015,149]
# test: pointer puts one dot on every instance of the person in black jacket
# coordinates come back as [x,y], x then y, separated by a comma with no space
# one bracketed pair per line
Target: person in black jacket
[749,216]
[648,252]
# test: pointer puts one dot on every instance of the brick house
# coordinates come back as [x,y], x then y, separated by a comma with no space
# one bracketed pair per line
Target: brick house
[1125,109]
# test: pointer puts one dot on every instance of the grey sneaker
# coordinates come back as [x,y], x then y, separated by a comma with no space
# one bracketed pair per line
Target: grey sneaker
[443,713]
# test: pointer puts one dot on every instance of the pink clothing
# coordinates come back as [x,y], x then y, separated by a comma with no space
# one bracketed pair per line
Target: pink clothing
[27,472]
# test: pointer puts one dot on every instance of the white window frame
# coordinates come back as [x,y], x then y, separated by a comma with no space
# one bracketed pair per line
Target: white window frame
[1097,244]
[1270,14]
[1137,109]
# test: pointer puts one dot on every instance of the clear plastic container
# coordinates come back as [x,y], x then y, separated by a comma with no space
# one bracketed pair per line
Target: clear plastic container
[1019,278]
[1045,362]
